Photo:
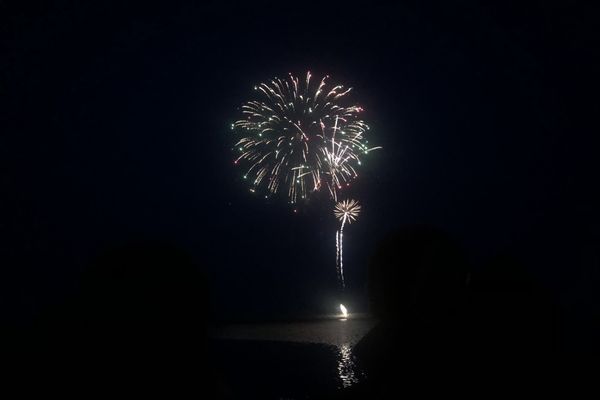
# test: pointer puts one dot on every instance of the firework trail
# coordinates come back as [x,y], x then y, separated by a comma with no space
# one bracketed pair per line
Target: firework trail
[299,136]
[345,211]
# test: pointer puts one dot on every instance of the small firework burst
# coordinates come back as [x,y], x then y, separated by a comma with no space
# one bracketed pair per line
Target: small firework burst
[347,210]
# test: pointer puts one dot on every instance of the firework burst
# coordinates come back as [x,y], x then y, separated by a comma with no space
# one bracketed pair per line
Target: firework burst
[299,136]
[347,210]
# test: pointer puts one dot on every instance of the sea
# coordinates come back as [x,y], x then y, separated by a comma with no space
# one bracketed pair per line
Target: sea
[290,360]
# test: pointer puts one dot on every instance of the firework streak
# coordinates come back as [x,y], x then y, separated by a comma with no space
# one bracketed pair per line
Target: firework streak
[345,211]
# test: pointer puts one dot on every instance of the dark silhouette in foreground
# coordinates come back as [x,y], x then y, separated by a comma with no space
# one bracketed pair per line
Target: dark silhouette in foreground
[444,330]
[138,328]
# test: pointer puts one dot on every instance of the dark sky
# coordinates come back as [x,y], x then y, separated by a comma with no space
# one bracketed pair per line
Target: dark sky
[114,127]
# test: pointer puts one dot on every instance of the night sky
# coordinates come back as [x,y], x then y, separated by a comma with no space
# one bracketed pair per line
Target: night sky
[115,128]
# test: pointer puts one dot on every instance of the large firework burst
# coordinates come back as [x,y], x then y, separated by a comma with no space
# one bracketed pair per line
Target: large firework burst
[345,211]
[299,136]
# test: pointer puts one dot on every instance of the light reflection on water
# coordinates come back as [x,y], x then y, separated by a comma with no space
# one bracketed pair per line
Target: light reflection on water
[348,371]
[347,368]
[342,334]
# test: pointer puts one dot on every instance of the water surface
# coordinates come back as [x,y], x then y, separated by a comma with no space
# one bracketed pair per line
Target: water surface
[291,360]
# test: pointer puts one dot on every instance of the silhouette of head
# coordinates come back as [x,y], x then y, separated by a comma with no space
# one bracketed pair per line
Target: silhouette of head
[143,313]
[418,270]
[138,326]
[511,308]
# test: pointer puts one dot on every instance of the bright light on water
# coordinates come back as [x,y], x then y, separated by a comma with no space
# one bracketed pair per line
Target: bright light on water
[344,311]
[347,370]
